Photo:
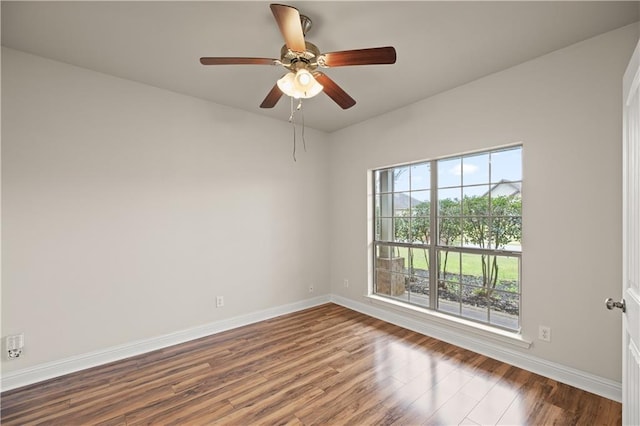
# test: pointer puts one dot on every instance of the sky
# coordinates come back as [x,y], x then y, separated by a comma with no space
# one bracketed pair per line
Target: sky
[482,171]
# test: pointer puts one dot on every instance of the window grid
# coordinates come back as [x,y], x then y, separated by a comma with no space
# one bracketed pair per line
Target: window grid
[469,223]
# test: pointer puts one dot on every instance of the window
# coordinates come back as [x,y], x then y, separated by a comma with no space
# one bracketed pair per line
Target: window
[462,257]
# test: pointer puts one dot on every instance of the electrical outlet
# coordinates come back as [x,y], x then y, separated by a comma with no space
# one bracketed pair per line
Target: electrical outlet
[219,301]
[346,283]
[311,288]
[14,345]
[544,333]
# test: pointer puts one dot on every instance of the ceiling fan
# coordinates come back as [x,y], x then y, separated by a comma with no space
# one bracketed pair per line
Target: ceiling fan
[302,60]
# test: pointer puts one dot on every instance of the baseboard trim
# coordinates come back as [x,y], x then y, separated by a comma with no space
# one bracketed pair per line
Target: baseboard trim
[39,373]
[586,381]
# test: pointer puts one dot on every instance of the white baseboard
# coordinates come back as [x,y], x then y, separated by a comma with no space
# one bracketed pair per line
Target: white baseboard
[589,382]
[580,379]
[38,373]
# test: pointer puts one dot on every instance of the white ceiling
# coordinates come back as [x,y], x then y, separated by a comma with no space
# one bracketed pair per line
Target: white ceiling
[440,45]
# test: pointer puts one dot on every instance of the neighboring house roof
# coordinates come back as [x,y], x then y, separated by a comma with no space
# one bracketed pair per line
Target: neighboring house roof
[402,201]
[504,188]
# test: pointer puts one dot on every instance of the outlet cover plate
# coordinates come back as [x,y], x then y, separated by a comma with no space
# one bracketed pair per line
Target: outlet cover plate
[544,333]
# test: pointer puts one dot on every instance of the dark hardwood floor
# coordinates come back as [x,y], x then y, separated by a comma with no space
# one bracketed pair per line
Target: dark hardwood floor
[323,366]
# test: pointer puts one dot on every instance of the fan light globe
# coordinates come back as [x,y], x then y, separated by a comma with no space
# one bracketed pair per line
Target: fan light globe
[301,84]
[285,84]
[303,78]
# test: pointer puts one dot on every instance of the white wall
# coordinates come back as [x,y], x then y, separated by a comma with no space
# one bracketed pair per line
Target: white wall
[127,209]
[565,108]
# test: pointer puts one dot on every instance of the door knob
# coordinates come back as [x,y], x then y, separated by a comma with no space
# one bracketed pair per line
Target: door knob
[610,304]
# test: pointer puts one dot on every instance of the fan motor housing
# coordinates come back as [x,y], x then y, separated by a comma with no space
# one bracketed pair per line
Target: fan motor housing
[296,60]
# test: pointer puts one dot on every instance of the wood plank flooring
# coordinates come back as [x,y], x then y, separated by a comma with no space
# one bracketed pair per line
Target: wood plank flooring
[323,366]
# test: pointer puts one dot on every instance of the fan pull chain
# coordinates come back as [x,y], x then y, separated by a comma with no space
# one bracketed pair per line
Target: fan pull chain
[293,123]
[304,143]
[292,120]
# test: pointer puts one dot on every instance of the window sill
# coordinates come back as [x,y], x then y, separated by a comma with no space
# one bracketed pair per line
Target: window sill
[469,327]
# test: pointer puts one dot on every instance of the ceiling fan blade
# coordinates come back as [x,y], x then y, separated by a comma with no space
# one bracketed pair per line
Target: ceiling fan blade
[272,98]
[288,19]
[334,91]
[238,61]
[372,56]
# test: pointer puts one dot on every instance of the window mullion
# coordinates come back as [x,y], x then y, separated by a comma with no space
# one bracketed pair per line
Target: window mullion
[433,230]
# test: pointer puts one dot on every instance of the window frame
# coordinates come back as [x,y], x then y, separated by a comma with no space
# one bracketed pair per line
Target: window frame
[433,246]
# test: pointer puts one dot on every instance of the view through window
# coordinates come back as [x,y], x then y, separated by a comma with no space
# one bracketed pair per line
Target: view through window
[462,257]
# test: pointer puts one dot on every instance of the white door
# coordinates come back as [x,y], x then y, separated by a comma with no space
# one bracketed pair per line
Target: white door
[631,244]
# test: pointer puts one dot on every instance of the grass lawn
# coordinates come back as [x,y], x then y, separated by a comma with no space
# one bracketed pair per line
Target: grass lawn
[471,263]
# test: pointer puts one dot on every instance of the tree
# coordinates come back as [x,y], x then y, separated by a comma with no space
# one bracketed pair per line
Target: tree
[449,229]
[506,223]
[496,222]
[401,228]
[421,226]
